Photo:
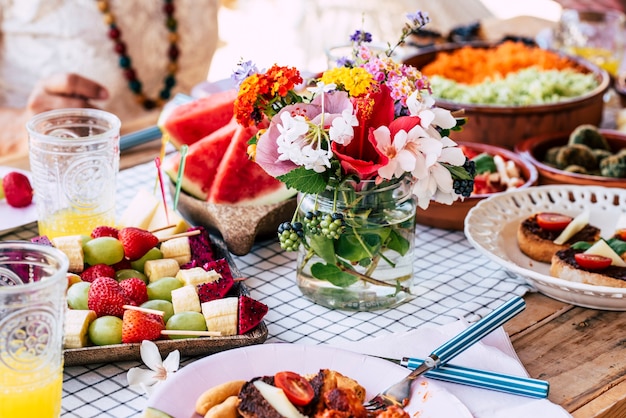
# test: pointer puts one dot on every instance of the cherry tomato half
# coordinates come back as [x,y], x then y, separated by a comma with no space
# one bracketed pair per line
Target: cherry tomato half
[553,221]
[297,389]
[592,261]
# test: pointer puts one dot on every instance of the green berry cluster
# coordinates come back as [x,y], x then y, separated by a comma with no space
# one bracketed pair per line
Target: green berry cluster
[332,226]
[290,235]
[312,222]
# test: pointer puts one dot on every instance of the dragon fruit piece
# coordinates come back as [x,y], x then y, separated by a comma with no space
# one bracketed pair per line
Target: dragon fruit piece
[215,290]
[42,240]
[251,313]
[221,266]
[201,250]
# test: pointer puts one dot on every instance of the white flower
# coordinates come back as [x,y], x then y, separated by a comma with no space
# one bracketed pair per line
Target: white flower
[291,131]
[438,184]
[450,153]
[401,159]
[428,113]
[322,87]
[341,130]
[159,370]
[316,159]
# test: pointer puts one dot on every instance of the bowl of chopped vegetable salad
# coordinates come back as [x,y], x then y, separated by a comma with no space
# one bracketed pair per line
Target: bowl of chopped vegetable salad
[497,171]
[511,91]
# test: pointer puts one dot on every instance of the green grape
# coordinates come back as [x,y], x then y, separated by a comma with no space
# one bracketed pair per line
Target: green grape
[103,250]
[188,321]
[128,273]
[162,288]
[160,305]
[152,254]
[77,295]
[106,330]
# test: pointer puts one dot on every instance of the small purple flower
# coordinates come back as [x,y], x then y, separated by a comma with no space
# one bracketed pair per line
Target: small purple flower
[344,62]
[361,37]
[243,71]
[418,18]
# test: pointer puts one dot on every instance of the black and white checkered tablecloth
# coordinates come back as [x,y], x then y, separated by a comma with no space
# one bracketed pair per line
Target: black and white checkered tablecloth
[454,281]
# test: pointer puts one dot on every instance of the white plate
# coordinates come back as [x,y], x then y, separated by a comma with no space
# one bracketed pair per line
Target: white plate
[10,217]
[491,227]
[177,395]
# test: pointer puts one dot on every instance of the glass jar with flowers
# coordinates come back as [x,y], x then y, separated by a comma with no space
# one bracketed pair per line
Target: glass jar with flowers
[364,146]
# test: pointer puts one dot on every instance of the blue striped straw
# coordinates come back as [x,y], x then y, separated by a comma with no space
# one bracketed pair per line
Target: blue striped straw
[515,385]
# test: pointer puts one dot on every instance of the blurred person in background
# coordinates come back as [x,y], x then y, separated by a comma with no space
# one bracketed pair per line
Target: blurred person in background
[127,57]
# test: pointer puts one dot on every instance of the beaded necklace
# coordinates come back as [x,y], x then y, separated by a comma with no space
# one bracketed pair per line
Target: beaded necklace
[115,34]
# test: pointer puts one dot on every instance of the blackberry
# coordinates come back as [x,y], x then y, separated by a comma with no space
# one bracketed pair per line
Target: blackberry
[290,235]
[470,167]
[463,187]
[312,222]
[332,226]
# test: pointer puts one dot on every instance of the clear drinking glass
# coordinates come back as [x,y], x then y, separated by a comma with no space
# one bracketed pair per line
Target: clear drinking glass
[33,280]
[593,35]
[74,159]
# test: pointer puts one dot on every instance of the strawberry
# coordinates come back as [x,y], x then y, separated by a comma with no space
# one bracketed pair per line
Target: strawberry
[104,231]
[106,297]
[138,326]
[135,289]
[123,264]
[17,189]
[251,313]
[137,242]
[91,273]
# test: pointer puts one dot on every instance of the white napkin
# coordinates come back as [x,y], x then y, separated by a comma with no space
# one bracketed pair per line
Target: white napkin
[494,353]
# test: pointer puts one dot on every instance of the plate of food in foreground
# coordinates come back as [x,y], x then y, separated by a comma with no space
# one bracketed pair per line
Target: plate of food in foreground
[199,384]
[493,226]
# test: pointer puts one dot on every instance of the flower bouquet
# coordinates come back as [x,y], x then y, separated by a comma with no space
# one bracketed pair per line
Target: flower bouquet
[363,145]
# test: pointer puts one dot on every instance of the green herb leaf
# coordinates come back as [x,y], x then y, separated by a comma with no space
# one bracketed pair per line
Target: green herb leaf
[332,274]
[485,163]
[581,245]
[617,245]
[457,172]
[305,181]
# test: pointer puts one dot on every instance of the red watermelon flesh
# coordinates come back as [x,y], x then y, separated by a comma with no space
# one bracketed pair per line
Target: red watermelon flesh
[202,161]
[190,122]
[242,181]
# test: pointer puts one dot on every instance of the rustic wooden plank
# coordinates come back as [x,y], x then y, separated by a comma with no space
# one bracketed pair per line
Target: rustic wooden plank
[580,352]
[539,309]
[610,405]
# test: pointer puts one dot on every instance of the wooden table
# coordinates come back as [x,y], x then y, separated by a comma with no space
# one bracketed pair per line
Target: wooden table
[580,351]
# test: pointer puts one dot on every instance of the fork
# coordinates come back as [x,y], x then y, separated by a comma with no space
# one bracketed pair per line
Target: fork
[399,393]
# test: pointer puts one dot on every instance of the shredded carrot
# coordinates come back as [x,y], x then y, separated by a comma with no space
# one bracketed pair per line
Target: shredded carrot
[473,65]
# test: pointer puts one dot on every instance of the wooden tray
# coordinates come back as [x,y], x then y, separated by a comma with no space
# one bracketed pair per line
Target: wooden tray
[187,346]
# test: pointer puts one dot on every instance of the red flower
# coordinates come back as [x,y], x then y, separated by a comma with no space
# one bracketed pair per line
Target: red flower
[361,156]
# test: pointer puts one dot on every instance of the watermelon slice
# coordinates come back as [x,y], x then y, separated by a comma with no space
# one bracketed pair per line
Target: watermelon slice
[202,161]
[190,122]
[242,181]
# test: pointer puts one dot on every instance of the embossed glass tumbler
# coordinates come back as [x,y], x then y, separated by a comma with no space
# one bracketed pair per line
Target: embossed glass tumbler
[33,280]
[74,159]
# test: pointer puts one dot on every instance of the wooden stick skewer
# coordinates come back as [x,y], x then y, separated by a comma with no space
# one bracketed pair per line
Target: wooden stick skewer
[182,234]
[144,310]
[163,228]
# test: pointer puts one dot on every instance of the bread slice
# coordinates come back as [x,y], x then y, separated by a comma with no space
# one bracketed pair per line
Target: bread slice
[538,243]
[564,266]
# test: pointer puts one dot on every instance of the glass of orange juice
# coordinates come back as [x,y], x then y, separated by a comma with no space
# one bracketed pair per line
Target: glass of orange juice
[33,280]
[74,159]
[597,36]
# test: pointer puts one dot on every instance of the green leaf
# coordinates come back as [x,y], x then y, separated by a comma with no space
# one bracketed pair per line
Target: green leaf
[398,243]
[350,248]
[485,163]
[457,172]
[581,245]
[332,274]
[305,181]
[324,248]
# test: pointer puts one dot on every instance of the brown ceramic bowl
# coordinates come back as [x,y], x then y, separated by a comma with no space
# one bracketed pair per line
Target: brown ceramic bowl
[453,216]
[534,150]
[239,226]
[505,126]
